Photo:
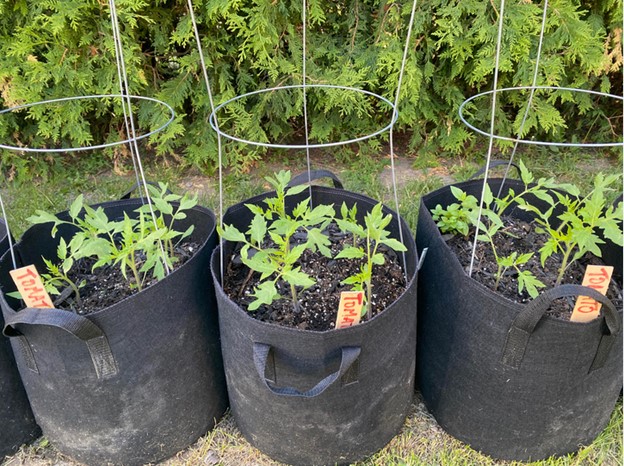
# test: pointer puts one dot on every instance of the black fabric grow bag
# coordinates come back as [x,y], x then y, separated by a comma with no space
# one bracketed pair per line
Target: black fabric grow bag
[314,398]
[132,383]
[500,376]
[16,419]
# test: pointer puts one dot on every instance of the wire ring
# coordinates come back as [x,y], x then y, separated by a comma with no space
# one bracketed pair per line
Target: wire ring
[395,116]
[99,146]
[527,141]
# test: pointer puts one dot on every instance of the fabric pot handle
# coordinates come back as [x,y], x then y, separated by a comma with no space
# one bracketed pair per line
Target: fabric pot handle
[77,325]
[526,321]
[494,163]
[304,177]
[261,354]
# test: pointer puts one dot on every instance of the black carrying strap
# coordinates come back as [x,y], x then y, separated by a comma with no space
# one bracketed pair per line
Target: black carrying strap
[306,177]
[77,325]
[494,163]
[526,321]
[261,354]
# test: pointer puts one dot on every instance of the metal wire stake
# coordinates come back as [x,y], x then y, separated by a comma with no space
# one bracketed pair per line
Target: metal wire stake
[530,101]
[492,120]
[119,51]
[216,122]
[8,232]
[391,133]
[305,100]
[124,92]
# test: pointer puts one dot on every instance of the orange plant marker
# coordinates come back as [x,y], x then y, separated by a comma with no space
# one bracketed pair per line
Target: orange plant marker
[598,278]
[350,308]
[31,288]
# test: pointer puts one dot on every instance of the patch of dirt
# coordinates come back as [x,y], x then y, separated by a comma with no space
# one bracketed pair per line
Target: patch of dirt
[106,285]
[405,173]
[521,237]
[317,305]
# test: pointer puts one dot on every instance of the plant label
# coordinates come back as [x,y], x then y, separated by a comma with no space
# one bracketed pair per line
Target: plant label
[350,308]
[31,287]
[598,278]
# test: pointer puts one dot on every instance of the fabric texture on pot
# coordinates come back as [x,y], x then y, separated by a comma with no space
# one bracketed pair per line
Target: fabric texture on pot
[501,376]
[16,418]
[305,397]
[136,381]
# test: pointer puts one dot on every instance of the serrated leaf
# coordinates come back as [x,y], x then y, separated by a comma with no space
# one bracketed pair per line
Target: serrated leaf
[525,175]
[298,278]
[259,262]
[42,217]
[524,258]
[231,233]
[395,244]
[350,252]
[296,190]
[319,241]
[378,259]
[457,193]
[76,207]
[527,280]
[256,210]
[351,227]
[265,293]
[301,208]
[257,229]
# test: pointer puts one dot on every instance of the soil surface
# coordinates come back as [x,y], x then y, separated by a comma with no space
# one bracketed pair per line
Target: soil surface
[106,285]
[318,305]
[523,238]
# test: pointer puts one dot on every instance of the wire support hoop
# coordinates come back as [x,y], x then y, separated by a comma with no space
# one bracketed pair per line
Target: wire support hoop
[92,147]
[531,141]
[303,87]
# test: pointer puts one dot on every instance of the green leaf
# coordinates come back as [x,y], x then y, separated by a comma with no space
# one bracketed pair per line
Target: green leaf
[524,258]
[259,262]
[300,209]
[162,205]
[525,175]
[394,244]
[76,207]
[351,227]
[231,233]
[257,210]
[257,229]
[378,259]
[527,280]
[265,293]
[351,252]
[296,190]
[457,192]
[298,278]
[42,217]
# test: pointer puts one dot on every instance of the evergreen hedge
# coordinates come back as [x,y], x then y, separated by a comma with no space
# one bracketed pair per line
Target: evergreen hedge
[58,48]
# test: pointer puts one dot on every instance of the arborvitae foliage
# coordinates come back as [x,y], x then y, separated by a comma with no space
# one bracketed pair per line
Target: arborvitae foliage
[51,48]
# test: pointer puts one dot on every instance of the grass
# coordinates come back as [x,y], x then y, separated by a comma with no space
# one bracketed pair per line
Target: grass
[421,441]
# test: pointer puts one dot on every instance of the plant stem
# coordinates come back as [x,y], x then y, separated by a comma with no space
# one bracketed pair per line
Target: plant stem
[135,272]
[564,264]
[499,274]
[75,289]
[293,292]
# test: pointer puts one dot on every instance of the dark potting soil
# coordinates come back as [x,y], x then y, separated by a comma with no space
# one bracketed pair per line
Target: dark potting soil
[523,238]
[106,285]
[318,305]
